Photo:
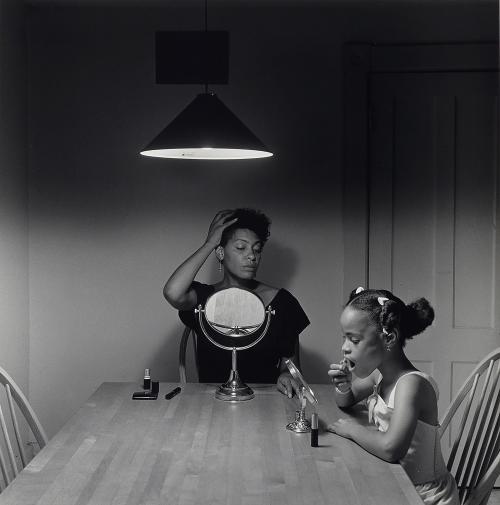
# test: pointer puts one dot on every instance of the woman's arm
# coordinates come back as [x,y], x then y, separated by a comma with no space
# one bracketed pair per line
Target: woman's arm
[393,444]
[177,290]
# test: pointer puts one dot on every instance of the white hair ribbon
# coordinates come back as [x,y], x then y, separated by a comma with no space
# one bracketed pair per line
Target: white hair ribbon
[382,300]
[358,290]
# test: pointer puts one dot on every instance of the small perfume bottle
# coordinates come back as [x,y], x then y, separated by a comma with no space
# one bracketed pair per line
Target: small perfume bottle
[147,379]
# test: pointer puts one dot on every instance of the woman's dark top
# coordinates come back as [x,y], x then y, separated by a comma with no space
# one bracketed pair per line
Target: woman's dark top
[260,363]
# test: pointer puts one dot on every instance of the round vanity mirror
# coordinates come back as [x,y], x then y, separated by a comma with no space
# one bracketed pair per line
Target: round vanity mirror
[234,319]
[235,312]
[305,393]
[304,386]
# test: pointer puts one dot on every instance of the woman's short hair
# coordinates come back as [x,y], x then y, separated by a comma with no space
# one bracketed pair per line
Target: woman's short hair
[250,219]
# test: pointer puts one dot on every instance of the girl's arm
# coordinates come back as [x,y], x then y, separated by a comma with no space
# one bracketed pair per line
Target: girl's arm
[360,389]
[177,290]
[411,394]
[348,392]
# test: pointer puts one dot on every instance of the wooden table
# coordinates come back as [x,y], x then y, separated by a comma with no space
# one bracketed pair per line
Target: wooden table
[195,449]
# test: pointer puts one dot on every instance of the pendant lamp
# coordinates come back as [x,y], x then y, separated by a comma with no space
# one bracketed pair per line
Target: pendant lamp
[206,130]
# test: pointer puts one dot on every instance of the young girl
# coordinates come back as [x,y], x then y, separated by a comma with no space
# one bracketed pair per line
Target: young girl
[402,402]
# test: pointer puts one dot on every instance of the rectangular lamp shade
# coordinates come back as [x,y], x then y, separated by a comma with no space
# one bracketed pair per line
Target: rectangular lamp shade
[192,57]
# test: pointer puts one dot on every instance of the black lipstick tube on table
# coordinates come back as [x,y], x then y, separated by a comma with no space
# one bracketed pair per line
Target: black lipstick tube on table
[314,430]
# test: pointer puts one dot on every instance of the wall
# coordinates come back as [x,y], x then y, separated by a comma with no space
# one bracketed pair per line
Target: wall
[14,315]
[108,226]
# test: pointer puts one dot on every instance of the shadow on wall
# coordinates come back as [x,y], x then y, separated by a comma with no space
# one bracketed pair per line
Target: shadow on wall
[311,360]
[164,361]
[279,265]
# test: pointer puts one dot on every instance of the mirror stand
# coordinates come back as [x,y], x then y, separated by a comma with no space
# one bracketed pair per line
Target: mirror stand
[231,314]
[301,424]
[234,390]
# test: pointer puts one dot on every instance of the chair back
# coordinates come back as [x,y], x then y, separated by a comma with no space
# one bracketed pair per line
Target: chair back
[11,442]
[183,346]
[475,453]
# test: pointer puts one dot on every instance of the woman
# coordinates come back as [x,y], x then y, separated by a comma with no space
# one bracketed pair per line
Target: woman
[238,237]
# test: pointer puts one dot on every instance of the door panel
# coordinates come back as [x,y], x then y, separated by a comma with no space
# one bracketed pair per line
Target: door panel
[433,184]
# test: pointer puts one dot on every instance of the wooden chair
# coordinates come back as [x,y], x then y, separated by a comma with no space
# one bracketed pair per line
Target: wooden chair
[10,428]
[475,454]
[182,352]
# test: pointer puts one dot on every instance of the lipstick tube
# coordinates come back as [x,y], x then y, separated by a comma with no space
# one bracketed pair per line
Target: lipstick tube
[314,430]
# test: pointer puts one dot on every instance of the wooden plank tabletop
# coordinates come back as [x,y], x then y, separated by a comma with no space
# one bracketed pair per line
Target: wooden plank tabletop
[195,449]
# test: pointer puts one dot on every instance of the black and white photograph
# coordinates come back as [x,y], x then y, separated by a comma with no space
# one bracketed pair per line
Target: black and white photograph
[249,252]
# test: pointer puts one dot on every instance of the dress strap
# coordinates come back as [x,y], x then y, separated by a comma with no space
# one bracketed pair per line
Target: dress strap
[425,376]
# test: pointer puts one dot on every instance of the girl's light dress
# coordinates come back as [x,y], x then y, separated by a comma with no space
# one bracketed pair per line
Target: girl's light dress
[423,462]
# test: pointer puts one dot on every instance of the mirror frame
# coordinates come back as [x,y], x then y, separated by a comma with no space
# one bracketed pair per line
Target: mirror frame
[268,312]
[295,372]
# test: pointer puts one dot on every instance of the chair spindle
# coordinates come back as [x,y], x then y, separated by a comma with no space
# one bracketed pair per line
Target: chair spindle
[16,425]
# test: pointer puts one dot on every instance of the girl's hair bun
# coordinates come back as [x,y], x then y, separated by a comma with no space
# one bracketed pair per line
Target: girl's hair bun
[418,316]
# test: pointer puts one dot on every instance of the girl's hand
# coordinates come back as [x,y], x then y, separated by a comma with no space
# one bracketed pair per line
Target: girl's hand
[286,384]
[341,376]
[341,427]
[219,223]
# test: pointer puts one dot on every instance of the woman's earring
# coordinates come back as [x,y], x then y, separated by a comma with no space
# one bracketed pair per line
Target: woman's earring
[219,253]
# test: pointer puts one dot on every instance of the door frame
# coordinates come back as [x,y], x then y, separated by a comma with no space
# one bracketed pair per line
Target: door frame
[360,61]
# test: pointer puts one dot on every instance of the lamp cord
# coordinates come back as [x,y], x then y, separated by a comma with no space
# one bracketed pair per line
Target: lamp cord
[206,39]
[206,16]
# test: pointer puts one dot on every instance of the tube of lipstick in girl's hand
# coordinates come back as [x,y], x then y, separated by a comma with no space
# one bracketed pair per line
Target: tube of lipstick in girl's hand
[344,387]
[344,365]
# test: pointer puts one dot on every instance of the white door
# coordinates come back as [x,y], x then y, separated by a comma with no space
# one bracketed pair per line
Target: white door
[434,185]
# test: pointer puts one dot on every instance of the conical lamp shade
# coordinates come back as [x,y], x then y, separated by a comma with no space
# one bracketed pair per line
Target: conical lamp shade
[206,130]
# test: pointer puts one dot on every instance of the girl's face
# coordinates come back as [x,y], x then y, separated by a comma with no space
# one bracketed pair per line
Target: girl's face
[363,343]
[242,254]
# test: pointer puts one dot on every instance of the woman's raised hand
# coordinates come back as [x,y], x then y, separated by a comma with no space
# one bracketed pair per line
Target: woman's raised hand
[219,223]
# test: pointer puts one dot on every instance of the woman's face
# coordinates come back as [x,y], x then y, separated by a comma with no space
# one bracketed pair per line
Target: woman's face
[363,344]
[242,254]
